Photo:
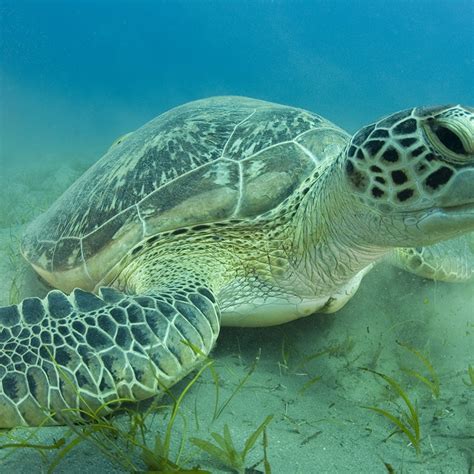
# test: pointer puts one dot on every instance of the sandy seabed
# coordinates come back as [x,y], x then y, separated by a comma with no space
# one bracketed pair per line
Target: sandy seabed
[320,423]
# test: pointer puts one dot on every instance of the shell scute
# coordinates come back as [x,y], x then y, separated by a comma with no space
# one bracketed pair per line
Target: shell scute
[205,194]
[267,178]
[67,253]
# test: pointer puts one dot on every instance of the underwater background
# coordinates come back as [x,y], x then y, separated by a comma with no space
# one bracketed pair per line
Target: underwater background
[77,74]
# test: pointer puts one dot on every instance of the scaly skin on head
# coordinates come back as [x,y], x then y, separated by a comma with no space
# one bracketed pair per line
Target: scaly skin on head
[404,181]
[420,175]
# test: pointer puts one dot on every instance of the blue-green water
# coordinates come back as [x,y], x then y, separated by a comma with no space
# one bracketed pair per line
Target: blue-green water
[77,74]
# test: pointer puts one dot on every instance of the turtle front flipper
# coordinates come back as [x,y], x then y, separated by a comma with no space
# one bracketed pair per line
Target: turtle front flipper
[451,260]
[81,351]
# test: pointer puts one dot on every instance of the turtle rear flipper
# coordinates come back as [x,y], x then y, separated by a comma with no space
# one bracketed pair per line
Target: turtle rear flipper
[82,351]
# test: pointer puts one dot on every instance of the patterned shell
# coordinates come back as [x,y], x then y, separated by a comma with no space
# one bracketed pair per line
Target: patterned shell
[206,161]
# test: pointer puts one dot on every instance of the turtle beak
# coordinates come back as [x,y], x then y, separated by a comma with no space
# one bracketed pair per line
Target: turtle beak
[445,223]
[455,214]
[460,191]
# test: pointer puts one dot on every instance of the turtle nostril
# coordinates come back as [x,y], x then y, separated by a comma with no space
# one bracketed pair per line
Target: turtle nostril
[448,138]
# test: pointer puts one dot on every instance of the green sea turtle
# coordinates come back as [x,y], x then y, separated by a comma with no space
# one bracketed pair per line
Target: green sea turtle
[224,211]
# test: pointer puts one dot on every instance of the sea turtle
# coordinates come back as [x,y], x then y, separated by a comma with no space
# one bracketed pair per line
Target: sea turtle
[224,211]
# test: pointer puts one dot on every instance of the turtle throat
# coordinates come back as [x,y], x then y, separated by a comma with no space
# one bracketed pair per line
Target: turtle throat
[330,241]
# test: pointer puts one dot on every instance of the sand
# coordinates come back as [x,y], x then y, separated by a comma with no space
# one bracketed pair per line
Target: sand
[320,423]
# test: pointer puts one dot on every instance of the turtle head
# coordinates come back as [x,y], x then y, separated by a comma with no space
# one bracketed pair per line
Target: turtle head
[414,170]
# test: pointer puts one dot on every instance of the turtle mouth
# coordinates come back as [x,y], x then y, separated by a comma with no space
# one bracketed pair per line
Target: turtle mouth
[448,221]
[466,208]
[463,212]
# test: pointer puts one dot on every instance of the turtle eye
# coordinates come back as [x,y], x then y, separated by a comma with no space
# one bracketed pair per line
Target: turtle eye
[448,138]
